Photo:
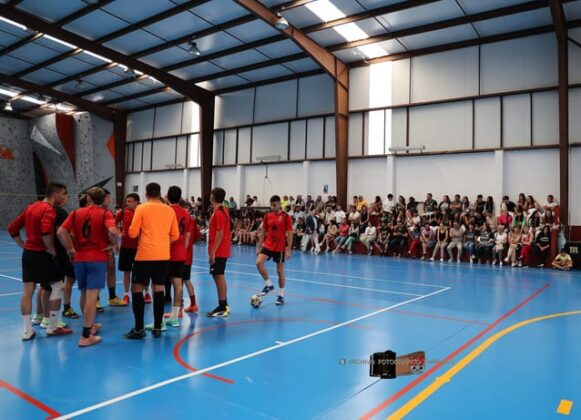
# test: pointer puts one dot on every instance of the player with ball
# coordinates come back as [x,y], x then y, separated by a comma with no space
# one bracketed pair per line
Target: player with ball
[277,245]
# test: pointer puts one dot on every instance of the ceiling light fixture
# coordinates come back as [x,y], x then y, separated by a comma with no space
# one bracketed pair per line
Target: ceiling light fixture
[8,107]
[80,84]
[281,23]
[193,48]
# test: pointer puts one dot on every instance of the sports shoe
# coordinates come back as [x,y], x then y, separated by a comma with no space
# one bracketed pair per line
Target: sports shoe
[89,341]
[99,308]
[96,328]
[134,335]
[219,312]
[59,331]
[192,309]
[279,300]
[28,335]
[156,333]
[126,299]
[46,322]
[36,319]
[70,313]
[147,298]
[173,322]
[266,290]
[170,314]
[149,327]
[117,302]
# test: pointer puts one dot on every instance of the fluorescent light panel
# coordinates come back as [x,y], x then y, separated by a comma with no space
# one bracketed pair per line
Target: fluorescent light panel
[32,100]
[11,22]
[58,41]
[351,32]
[97,56]
[8,93]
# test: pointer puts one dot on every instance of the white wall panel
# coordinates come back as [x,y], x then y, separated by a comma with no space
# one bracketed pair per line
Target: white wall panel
[379,85]
[130,181]
[330,137]
[146,156]
[442,127]
[297,140]
[574,112]
[164,153]
[181,151]
[230,147]
[534,172]
[516,126]
[574,190]
[191,117]
[270,140]
[168,120]
[218,147]
[574,56]
[165,180]
[545,118]
[367,177]
[226,178]
[396,128]
[315,138]
[140,125]
[234,108]
[276,102]
[244,145]
[400,83]
[355,134]
[137,156]
[320,174]
[449,74]
[465,174]
[316,95]
[282,179]
[194,183]
[519,64]
[487,123]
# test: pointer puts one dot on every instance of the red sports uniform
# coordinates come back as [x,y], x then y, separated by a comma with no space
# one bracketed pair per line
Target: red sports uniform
[89,226]
[178,248]
[38,220]
[276,225]
[220,220]
[124,218]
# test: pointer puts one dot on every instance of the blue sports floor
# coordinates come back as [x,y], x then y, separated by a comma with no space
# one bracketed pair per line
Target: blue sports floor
[492,350]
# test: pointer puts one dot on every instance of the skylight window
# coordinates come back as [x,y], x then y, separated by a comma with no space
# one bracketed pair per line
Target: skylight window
[325,10]
[351,32]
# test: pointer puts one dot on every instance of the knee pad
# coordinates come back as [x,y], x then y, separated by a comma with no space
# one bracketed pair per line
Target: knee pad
[57,290]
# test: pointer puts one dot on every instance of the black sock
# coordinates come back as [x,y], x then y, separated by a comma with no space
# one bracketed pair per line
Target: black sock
[112,294]
[222,304]
[86,332]
[158,306]
[138,304]
[168,289]
[66,306]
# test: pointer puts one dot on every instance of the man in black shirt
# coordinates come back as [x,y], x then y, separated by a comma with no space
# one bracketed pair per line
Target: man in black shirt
[510,206]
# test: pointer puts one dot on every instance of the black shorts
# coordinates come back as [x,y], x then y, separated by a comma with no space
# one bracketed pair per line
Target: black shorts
[176,269]
[277,257]
[219,266]
[64,266]
[126,259]
[39,267]
[187,272]
[146,271]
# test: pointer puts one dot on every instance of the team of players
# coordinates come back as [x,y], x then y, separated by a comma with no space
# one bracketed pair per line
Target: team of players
[156,244]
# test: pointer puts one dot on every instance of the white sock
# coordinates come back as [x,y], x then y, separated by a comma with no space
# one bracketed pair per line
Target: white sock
[281,292]
[268,282]
[27,322]
[175,312]
[54,320]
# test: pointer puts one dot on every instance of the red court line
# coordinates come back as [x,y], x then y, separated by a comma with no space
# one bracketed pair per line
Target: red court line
[426,374]
[447,318]
[52,413]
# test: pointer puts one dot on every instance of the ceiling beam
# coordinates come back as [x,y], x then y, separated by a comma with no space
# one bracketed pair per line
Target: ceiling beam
[193,92]
[328,62]
[463,20]
[559,20]
[61,22]
[100,110]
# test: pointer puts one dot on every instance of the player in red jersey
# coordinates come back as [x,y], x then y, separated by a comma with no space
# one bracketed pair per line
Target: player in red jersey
[219,249]
[194,236]
[38,258]
[177,255]
[128,249]
[95,238]
[278,228]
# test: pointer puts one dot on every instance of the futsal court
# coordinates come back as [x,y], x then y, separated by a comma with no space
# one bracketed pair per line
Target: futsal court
[499,343]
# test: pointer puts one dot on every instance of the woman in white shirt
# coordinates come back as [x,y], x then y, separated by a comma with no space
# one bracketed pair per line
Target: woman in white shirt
[500,239]
[369,237]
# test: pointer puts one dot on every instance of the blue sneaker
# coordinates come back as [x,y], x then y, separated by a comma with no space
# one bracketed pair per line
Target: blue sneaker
[266,290]
[280,300]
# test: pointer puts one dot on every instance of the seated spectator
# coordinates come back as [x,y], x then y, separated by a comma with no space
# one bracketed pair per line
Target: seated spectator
[378,203]
[442,236]
[465,205]
[299,201]
[521,203]
[519,219]
[456,236]
[399,239]
[470,241]
[353,214]
[490,220]
[415,240]
[412,205]
[510,206]
[514,241]
[428,239]
[543,245]
[232,205]
[361,202]
[400,206]
[456,206]
[343,234]
[550,220]
[384,236]
[329,216]
[255,202]
[353,236]
[339,214]
[484,244]
[330,235]
[299,232]
[319,204]
[249,201]
[389,204]
[291,201]
[364,216]
[285,202]
[479,204]
[500,240]
[310,203]
[489,206]
[527,240]
[563,261]
[444,204]
[368,238]
[551,204]
[504,218]
[430,206]
[533,205]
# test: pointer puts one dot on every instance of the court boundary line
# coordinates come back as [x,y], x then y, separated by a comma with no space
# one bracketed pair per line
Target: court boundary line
[29,399]
[241,358]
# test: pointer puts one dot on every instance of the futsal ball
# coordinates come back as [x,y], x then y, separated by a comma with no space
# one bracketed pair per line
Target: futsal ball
[255,301]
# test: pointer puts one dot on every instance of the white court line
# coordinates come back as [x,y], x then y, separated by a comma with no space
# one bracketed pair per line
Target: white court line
[10,294]
[10,277]
[343,275]
[389,292]
[238,359]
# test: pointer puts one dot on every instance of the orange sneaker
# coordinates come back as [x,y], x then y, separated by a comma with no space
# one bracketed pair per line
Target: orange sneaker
[170,314]
[147,298]
[126,299]
[193,309]
[59,331]
[90,341]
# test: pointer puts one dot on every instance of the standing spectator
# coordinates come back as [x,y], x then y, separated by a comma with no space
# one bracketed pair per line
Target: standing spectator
[456,238]
[470,241]
[368,238]
[500,239]
[441,241]
[311,233]
[232,205]
[526,243]
[563,261]
[428,239]
[543,246]
[514,240]
[331,235]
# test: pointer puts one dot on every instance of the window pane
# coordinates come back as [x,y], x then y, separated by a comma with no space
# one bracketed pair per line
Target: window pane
[181,156]
[146,156]
[194,151]
[137,157]
[129,158]
[164,154]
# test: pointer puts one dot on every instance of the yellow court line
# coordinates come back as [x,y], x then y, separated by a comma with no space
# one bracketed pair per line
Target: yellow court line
[446,377]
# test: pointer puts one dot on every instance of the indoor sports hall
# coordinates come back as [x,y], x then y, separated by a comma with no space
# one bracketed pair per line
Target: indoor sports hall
[381,197]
